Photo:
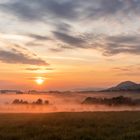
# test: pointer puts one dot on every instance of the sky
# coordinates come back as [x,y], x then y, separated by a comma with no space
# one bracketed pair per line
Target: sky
[70,44]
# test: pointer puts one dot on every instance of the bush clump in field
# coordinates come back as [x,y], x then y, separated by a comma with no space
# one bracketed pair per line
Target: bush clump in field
[46,102]
[37,102]
[17,101]
[115,101]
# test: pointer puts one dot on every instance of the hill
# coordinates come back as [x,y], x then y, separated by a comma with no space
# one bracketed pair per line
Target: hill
[125,86]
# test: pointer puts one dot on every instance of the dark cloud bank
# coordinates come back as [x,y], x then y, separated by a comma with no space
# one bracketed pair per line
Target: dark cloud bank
[70,9]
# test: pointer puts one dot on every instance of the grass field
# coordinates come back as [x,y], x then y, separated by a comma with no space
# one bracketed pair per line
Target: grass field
[71,126]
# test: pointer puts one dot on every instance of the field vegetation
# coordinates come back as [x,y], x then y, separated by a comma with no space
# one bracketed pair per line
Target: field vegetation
[71,126]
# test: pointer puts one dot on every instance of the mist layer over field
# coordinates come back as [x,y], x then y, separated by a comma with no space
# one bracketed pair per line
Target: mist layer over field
[67,102]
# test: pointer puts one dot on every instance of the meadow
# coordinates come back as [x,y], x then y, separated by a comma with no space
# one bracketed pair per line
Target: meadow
[71,126]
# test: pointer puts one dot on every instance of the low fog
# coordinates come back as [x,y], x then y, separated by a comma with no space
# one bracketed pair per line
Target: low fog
[68,102]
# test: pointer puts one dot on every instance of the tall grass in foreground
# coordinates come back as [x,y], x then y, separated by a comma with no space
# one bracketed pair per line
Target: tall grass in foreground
[71,126]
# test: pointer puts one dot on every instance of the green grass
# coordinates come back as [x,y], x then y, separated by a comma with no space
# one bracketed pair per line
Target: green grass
[71,126]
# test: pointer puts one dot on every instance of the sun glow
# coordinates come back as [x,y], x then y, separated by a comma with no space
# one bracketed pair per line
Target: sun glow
[39,80]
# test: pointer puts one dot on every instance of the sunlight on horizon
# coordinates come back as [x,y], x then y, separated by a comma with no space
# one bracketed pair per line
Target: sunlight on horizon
[39,80]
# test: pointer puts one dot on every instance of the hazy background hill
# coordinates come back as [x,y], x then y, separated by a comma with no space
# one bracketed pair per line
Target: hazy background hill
[125,86]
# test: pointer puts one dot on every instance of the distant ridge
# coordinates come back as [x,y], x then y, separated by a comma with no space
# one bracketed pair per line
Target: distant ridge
[125,86]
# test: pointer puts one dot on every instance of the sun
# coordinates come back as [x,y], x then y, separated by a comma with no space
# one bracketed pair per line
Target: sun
[39,80]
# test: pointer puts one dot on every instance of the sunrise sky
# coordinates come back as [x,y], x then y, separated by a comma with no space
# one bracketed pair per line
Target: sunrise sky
[69,44]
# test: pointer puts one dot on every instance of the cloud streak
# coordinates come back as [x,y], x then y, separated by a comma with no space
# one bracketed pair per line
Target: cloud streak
[38,37]
[15,54]
[14,57]
[69,39]
[120,44]
[107,45]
